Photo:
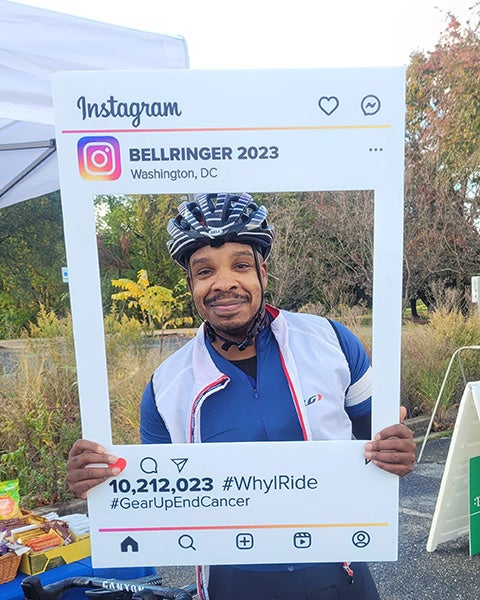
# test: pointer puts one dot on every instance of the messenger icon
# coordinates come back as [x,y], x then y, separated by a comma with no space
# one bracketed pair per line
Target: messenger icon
[370,105]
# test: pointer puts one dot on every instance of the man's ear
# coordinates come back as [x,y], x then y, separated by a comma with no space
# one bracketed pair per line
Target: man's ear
[189,282]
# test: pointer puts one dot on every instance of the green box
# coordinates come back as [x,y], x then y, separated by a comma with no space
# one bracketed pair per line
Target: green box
[474,505]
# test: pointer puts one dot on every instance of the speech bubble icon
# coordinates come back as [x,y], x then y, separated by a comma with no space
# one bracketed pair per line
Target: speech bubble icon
[149,465]
[370,105]
[328,104]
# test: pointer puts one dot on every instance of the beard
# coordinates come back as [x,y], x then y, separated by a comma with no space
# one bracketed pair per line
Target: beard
[235,328]
[233,331]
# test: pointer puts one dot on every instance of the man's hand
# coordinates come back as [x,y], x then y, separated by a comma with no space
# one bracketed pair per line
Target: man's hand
[81,475]
[393,449]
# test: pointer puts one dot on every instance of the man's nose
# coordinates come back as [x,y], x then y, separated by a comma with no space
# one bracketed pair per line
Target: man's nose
[225,280]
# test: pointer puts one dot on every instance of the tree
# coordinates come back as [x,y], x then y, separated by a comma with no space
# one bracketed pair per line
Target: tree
[290,281]
[323,250]
[131,235]
[343,227]
[155,302]
[32,254]
[442,212]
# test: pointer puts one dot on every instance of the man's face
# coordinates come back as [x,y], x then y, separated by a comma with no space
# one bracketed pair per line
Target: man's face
[225,287]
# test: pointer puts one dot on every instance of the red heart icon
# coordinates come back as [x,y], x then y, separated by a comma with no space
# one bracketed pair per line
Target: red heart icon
[120,464]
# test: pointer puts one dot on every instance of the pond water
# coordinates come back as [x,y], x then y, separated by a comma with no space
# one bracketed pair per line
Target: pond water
[10,353]
[11,350]
[170,342]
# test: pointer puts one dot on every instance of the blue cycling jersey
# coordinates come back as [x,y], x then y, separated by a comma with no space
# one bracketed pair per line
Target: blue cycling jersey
[255,410]
[260,408]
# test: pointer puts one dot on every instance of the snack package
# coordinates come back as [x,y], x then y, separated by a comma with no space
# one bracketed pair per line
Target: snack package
[9,499]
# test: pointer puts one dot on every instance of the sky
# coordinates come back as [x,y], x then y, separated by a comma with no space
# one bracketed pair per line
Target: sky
[250,34]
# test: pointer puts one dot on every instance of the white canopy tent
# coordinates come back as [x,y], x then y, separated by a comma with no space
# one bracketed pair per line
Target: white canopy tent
[34,43]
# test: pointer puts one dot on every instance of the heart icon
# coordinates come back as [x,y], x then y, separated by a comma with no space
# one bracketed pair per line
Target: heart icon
[328,104]
[120,464]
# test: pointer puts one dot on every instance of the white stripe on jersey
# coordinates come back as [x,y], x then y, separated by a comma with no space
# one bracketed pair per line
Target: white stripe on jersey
[360,390]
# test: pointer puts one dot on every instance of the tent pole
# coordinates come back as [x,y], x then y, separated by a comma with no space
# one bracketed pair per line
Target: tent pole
[51,147]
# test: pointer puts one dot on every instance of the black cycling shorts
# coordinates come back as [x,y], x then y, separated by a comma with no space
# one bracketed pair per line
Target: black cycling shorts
[326,581]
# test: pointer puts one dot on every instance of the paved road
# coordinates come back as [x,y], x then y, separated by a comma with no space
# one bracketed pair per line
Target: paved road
[448,573]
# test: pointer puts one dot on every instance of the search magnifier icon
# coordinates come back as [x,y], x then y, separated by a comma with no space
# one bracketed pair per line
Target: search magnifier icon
[186,541]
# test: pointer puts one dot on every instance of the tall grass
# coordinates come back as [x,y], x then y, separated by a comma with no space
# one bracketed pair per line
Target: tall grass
[426,353]
[39,419]
[39,412]
[39,405]
[130,363]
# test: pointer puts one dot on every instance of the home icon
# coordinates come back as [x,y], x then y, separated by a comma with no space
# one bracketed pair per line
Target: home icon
[129,544]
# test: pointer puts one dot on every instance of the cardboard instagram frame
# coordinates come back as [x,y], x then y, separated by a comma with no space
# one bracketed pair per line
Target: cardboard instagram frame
[186,132]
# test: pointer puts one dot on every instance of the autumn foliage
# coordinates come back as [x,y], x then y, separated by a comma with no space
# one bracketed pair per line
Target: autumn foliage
[442,208]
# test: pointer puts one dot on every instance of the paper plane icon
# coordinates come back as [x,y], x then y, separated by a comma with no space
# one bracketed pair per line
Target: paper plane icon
[179,463]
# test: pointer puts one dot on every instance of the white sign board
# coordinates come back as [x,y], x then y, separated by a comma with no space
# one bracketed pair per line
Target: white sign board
[476,289]
[451,518]
[180,503]
[255,131]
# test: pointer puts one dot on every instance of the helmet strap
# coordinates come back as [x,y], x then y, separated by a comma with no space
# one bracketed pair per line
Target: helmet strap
[259,323]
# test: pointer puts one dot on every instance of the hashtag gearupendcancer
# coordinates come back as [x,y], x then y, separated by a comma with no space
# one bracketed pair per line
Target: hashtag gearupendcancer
[178,502]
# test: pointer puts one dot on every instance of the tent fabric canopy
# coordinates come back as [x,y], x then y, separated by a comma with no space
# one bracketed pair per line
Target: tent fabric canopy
[34,43]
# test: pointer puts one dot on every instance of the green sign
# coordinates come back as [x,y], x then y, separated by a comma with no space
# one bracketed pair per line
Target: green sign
[475,505]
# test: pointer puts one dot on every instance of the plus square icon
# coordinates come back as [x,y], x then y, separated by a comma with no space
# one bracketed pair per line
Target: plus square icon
[244,541]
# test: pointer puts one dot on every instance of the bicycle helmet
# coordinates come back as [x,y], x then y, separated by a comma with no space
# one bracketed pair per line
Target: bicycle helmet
[213,219]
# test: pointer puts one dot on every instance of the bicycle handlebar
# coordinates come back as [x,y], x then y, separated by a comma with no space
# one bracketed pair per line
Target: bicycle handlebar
[140,589]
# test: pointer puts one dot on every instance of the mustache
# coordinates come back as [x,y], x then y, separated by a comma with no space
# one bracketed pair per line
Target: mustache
[224,296]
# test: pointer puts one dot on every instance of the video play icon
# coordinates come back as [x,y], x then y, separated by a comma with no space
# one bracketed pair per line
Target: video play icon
[302,539]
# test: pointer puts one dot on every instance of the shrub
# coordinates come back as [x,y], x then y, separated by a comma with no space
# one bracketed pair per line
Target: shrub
[39,405]
[39,419]
[426,353]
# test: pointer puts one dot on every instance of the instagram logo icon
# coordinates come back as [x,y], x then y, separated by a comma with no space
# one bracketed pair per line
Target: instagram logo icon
[99,158]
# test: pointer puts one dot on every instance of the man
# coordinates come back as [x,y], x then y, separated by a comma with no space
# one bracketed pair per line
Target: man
[245,377]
